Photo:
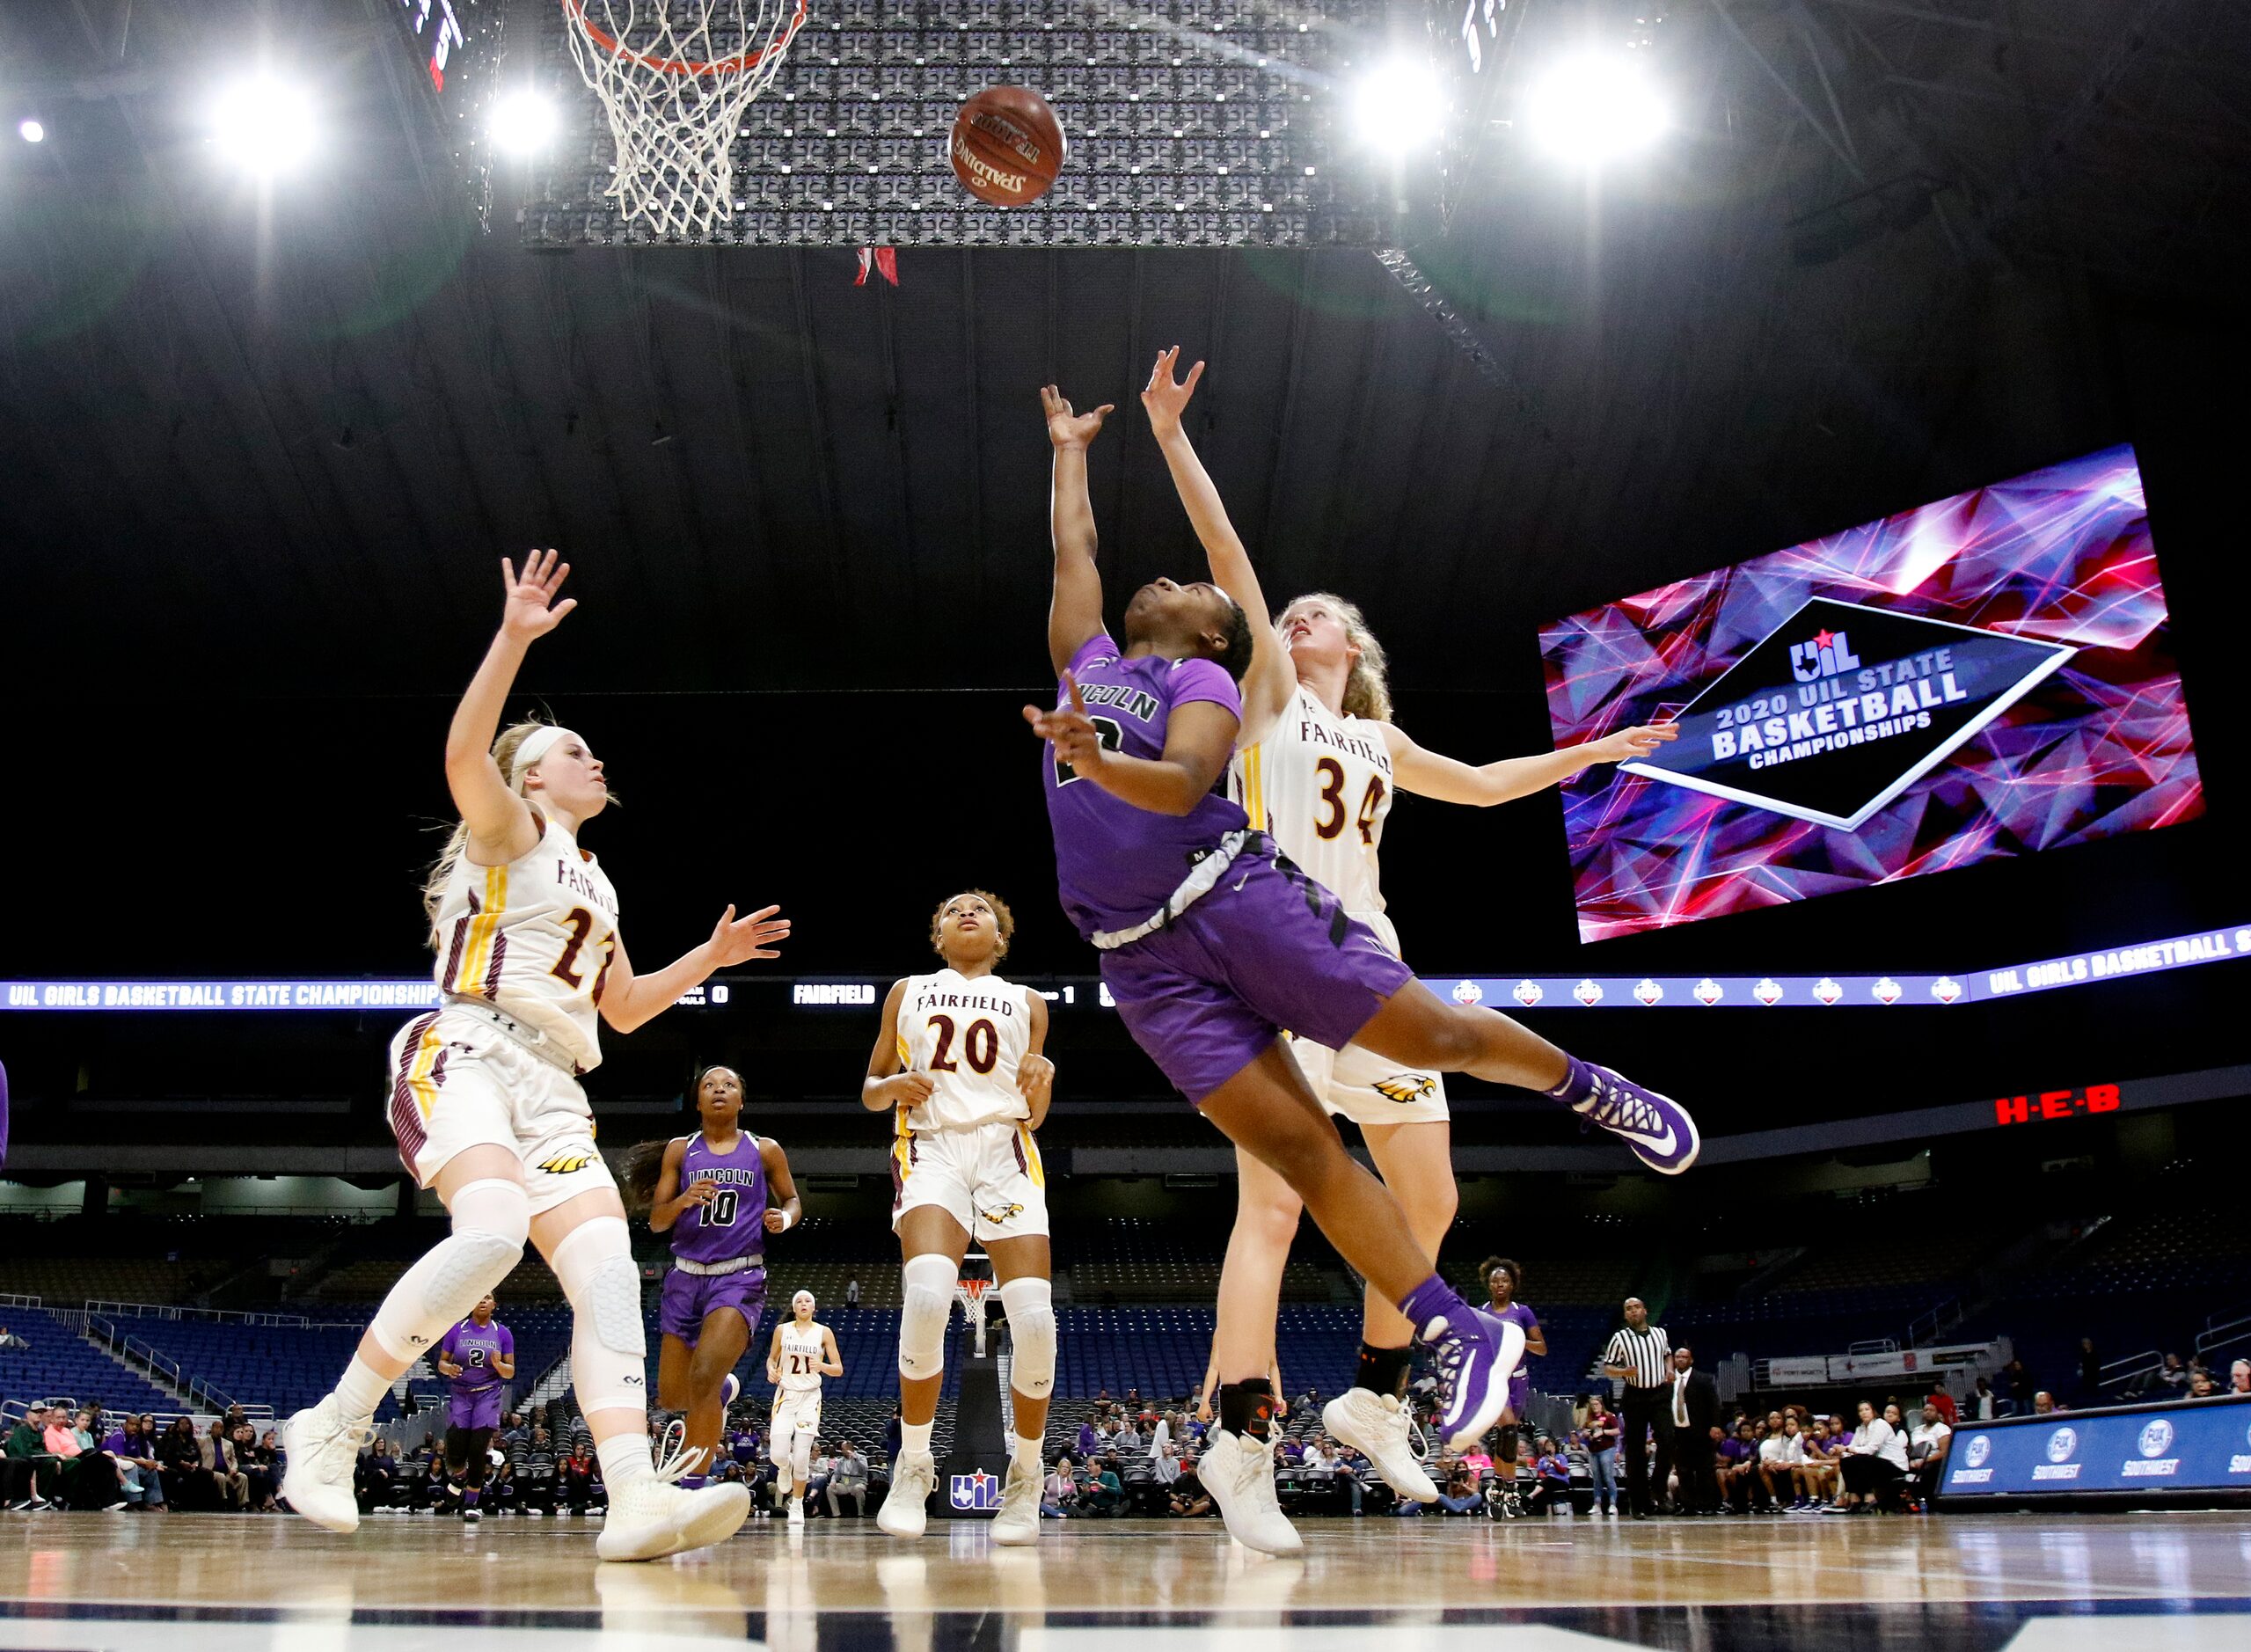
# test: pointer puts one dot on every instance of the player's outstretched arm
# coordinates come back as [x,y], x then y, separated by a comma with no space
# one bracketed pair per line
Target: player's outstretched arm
[887,1085]
[629,1000]
[502,826]
[1036,1074]
[783,1217]
[1268,683]
[1199,738]
[1451,781]
[1076,612]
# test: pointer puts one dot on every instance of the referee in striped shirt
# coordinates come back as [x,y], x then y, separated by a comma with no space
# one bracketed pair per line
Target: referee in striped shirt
[1640,1354]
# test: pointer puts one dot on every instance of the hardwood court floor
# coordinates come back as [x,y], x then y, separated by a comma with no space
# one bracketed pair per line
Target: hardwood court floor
[2045,1584]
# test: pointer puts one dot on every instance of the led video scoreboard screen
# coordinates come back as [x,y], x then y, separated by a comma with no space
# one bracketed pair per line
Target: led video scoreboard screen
[1989,675]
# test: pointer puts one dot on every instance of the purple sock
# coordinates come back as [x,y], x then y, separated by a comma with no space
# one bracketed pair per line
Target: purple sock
[692,1482]
[1578,1080]
[1433,1299]
[469,1498]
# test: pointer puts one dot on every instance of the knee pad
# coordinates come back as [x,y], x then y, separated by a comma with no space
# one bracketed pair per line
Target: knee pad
[1029,1305]
[594,1264]
[490,1220]
[929,1286]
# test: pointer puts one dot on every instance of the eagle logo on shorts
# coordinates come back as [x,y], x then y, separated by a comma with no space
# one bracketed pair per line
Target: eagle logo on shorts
[1404,1088]
[1007,1213]
[565,1163]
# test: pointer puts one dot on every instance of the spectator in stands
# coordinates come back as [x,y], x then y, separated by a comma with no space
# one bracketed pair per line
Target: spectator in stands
[532,1466]
[1550,1480]
[1165,1464]
[1187,1498]
[574,1479]
[372,1476]
[259,1463]
[2201,1386]
[1824,1448]
[89,1478]
[34,1477]
[1090,1440]
[2090,1389]
[1353,1471]
[818,1473]
[1737,1473]
[217,1453]
[2238,1378]
[11,1343]
[1984,1406]
[133,1451]
[1926,1449]
[2017,1388]
[1105,1492]
[2043,1404]
[1950,1413]
[2172,1378]
[1162,1436]
[186,1484]
[848,1479]
[851,1291]
[1128,1438]
[894,1433]
[512,1433]
[1602,1453]
[1315,1457]
[1876,1462]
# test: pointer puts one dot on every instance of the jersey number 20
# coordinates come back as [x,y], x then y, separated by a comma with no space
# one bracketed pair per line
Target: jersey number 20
[980,1046]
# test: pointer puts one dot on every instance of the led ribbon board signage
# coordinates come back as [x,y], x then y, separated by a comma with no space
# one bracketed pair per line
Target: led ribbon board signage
[1990,675]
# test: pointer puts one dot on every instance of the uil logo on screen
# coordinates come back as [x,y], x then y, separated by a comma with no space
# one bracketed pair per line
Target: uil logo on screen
[1528,992]
[2156,1436]
[1981,1447]
[1470,992]
[1649,991]
[1842,707]
[1946,988]
[2062,1443]
[979,1490]
[1886,990]
[1827,990]
[1768,990]
[1709,992]
[1588,992]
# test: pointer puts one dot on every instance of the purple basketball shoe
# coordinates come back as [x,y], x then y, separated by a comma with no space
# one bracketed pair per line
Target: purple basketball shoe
[1476,1354]
[1656,1127]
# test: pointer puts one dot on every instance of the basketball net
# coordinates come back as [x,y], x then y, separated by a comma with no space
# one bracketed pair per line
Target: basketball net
[970,1293]
[675,79]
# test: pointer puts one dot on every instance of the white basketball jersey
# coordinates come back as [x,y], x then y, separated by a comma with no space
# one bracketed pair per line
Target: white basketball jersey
[969,1035]
[801,1358]
[534,939]
[1320,786]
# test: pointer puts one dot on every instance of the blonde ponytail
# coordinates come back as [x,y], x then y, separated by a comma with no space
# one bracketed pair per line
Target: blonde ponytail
[1367,690]
[504,750]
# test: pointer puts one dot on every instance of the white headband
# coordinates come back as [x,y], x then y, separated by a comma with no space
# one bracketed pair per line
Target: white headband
[809,1296]
[537,746]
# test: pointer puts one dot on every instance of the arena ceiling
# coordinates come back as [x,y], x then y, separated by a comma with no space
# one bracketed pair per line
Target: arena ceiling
[276,444]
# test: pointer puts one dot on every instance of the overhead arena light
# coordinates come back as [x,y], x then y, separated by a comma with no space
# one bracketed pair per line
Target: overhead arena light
[264,125]
[1597,108]
[1399,106]
[525,122]
[32,132]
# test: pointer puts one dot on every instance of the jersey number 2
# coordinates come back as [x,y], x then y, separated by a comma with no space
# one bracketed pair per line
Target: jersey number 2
[1111,734]
[979,1045]
[1332,821]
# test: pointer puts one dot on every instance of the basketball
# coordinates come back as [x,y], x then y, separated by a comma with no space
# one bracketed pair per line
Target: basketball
[1007,146]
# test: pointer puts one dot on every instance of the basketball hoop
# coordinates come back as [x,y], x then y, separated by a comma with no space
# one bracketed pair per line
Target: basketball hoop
[675,79]
[970,1293]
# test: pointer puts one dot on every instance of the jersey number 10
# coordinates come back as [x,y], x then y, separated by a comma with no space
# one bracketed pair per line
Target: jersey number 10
[720,1211]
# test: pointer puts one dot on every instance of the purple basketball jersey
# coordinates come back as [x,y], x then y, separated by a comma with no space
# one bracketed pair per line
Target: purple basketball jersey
[1116,864]
[733,1223]
[474,1347]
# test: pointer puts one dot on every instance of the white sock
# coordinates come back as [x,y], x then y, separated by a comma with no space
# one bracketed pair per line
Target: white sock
[1024,1454]
[361,1391]
[625,1461]
[915,1437]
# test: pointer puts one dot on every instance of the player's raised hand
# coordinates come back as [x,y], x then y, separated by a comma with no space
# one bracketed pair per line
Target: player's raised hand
[531,609]
[1077,741]
[1165,398]
[739,940]
[1035,1080]
[1066,429]
[1629,743]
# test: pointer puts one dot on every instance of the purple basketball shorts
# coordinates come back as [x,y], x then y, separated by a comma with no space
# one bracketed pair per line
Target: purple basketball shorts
[480,1409]
[1267,948]
[1520,1394]
[688,1298]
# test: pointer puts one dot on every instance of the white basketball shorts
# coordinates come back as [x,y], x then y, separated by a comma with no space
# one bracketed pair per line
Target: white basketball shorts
[794,1413]
[989,1178]
[458,1080]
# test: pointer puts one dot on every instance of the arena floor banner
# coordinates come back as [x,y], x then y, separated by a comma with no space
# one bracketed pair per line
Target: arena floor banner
[1983,676]
[2195,1449]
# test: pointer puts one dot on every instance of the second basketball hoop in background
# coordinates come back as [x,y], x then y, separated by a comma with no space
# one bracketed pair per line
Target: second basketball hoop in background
[1007,146]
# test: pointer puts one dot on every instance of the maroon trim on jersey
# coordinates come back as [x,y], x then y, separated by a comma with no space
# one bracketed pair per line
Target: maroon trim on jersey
[404,1117]
[492,988]
[1017,1142]
[453,953]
